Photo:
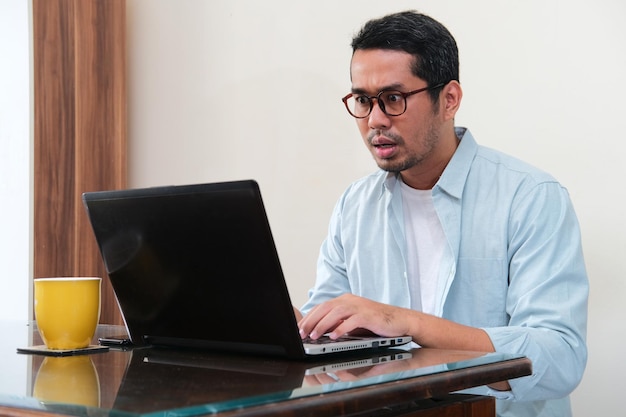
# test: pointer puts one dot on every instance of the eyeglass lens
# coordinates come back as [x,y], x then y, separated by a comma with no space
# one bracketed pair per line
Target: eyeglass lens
[391,103]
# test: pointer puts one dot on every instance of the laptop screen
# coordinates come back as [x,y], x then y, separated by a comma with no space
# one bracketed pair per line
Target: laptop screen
[195,265]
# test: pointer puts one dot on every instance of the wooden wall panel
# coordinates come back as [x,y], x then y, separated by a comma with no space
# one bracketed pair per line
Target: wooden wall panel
[80,120]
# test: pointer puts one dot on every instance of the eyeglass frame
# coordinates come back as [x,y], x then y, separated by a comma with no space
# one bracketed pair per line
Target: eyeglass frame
[382,107]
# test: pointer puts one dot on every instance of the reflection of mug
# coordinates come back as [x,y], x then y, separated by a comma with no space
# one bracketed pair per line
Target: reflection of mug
[67,311]
[68,379]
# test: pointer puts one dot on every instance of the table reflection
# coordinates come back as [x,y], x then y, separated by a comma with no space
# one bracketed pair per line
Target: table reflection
[408,360]
[145,380]
[71,379]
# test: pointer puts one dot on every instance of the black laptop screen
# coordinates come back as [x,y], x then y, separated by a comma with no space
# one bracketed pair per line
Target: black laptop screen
[195,264]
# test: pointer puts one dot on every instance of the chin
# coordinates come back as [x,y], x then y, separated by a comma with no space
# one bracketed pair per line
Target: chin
[389,166]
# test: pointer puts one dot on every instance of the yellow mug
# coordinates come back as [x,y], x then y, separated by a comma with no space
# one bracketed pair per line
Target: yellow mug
[67,310]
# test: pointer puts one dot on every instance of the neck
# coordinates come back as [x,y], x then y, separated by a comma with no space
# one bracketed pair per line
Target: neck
[423,182]
[425,178]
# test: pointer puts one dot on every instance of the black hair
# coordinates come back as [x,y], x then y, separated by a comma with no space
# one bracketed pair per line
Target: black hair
[431,44]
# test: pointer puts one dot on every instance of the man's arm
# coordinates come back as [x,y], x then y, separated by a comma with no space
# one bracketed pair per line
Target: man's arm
[348,313]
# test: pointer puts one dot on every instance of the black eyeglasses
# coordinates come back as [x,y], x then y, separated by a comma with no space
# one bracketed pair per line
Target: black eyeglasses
[391,102]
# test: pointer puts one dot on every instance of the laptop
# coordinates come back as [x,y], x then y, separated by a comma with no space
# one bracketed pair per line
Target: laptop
[196,266]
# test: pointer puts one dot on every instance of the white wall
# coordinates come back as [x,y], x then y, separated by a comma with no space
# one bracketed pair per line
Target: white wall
[15,160]
[15,184]
[223,90]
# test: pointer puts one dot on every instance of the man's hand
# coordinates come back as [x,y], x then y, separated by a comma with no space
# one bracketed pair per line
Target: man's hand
[349,313]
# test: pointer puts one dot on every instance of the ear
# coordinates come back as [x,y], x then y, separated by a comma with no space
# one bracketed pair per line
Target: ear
[451,96]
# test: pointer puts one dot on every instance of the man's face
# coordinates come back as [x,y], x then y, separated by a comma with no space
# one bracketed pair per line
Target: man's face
[408,143]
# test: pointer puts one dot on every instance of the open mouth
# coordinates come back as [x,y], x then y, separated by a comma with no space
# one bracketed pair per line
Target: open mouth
[384,150]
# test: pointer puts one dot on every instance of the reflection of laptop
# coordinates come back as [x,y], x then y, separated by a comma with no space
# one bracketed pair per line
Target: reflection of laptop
[278,367]
[196,266]
[219,382]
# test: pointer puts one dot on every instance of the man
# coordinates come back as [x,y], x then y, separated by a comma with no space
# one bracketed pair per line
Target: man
[457,245]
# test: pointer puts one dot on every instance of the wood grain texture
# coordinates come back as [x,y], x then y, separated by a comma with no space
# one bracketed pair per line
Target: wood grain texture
[80,121]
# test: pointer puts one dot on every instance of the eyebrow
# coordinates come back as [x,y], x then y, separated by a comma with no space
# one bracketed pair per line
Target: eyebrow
[396,86]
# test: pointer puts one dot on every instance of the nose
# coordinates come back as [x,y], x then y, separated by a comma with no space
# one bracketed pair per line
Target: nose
[377,118]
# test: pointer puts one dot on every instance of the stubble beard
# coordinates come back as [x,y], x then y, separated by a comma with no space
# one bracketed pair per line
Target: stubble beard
[410,160]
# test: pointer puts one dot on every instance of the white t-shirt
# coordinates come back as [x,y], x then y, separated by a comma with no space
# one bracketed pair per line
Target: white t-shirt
[425,245]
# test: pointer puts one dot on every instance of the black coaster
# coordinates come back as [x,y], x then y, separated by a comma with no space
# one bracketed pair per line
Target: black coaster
[43,350]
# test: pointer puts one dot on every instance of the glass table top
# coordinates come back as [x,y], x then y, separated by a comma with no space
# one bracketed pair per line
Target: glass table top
[153,381]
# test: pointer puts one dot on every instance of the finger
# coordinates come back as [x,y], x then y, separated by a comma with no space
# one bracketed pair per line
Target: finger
[327,378]
[343,327]
[310,380]
[306,324]
[334,319]
[346,376]
[316,323]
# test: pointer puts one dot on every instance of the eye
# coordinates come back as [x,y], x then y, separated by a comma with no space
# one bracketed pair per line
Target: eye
[393,97]
[362,100]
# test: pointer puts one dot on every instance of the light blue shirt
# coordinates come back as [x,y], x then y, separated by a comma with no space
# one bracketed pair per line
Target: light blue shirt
[514,264]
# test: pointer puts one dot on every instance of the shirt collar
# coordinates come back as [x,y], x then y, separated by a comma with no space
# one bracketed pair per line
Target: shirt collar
[454,175]
[453,178]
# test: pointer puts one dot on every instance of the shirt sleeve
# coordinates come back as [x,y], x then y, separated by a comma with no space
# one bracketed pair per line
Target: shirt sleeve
[547,294]
[332,280]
